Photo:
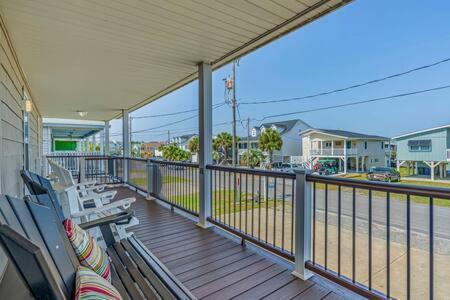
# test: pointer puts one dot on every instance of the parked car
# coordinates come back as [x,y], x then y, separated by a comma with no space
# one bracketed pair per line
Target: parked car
[326,167]
[288,167]
[386,174]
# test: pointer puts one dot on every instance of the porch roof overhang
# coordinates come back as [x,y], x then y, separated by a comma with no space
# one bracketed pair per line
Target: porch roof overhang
[104,56]
[72,129]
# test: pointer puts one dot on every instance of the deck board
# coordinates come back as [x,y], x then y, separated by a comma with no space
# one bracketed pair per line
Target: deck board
[212,266]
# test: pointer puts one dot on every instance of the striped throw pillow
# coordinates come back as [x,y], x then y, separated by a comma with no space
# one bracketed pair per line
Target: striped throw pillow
[89,285]
[87,250]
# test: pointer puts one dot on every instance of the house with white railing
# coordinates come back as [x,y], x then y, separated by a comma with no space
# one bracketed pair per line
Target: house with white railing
[351,150]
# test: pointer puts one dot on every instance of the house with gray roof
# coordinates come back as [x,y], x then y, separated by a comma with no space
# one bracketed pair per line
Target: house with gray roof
[182,141]
[351,150]
[288,130]
[425,152]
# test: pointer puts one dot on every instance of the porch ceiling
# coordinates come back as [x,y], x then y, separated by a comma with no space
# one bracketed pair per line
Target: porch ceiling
[102,56]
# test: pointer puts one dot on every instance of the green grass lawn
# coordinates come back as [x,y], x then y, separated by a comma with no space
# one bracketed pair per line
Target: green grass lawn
[142,181]
[228,201]
[416,199]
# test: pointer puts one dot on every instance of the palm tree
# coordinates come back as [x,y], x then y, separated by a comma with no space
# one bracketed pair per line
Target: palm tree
[253,158]
[194,144]
[222,143]
[269,141]
[172,152]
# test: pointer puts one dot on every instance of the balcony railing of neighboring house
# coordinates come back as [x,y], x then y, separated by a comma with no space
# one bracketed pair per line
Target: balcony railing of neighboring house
[333,152]
[363,234]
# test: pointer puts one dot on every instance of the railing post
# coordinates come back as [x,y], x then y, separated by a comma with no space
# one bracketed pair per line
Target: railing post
[205,142]
[302,224]
[151,178]
[82,170]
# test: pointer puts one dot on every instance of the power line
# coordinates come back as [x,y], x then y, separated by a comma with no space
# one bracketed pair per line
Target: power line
[217,105]
[349,87]
[393,97]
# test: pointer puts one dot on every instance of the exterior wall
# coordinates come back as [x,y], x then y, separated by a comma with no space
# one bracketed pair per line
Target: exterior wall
[291,141]
[34,141]
[11,121]
[439,144]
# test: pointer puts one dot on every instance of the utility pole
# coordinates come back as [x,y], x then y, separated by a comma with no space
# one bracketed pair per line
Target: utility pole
[248,142]
[168,136]
[233,106]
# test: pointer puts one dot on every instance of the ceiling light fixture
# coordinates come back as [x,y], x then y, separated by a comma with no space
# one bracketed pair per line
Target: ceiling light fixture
[82,113]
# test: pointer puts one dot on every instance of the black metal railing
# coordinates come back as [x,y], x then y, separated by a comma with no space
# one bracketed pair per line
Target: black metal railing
[102,169]
[137,173]
[257,205]
[381,240]
[94,167]
[176,183]
[376,238]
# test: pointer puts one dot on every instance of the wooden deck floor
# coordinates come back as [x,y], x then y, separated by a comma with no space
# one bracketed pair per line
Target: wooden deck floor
[212,266]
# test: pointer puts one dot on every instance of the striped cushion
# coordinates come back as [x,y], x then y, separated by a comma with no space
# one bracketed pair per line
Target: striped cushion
[92,286]
[87,250]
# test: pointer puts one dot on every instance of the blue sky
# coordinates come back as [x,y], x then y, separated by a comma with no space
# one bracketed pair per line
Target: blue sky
[363,41]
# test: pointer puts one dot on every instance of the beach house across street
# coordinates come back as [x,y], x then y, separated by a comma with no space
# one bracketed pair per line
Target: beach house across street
[425,152]
[352,150]
[289,134]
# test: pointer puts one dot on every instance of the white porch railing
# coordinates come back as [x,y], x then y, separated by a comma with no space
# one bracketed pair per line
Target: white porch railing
[333,152]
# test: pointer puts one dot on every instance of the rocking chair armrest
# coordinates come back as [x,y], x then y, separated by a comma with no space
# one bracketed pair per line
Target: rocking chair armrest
[112,219]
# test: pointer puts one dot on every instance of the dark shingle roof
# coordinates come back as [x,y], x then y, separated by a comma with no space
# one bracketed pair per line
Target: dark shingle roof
[350,134]
[285,125]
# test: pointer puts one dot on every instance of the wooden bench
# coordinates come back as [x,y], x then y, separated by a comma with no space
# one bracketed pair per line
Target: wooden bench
[35,241]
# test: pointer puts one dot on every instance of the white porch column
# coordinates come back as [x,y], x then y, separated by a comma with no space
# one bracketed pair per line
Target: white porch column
[125,142]
[357,163]
[332,147]
[205,141]
[106,136]
[345,156]
[432,170]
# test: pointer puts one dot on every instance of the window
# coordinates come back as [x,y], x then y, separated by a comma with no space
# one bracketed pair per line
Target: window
[365,144]
[349,144]
[328,144]
[419,145]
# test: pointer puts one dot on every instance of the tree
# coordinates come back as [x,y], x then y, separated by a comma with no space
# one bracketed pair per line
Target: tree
[253,158]
[269,141]
[172,152]
[222,143]
[194,144]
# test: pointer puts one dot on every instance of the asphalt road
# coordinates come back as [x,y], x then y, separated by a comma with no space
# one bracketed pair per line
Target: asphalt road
[419,212]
